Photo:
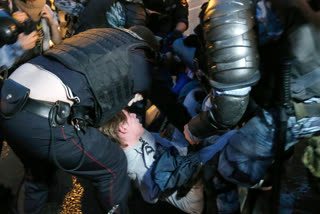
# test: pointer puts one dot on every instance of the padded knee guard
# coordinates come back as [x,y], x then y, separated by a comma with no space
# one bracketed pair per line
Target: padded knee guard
[225,113]
[232,62]
[231,44]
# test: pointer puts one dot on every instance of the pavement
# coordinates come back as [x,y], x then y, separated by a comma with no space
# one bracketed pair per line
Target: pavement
[194,10]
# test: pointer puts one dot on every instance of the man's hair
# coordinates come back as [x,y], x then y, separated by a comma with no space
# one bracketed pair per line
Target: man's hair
[110,129]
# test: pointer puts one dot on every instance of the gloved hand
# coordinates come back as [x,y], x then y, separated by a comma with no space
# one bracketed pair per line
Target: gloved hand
[192,41]
[176,34]
[169,39]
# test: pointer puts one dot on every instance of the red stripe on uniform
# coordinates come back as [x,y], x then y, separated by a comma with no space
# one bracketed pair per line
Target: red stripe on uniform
[113,174]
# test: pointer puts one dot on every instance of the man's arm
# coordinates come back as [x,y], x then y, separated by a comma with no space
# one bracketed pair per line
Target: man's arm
[306,10]
[53,24]
[181,14]
[181,26]
[193,202]
[10,53]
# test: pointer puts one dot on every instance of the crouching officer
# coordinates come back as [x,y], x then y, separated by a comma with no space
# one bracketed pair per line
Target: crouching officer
[51,106]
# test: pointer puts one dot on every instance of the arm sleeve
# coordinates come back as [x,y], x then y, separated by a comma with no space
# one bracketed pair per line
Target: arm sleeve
[193,202]
[148,188]
[9,54]
[70,7]
[181,12]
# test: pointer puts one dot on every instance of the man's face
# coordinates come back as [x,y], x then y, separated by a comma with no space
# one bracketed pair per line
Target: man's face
[135,128]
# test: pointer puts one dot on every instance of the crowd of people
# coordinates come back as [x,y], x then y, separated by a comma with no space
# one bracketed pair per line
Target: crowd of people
[77,101]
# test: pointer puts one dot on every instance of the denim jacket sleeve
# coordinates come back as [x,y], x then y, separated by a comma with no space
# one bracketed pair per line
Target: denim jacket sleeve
[10,53]
[70,7]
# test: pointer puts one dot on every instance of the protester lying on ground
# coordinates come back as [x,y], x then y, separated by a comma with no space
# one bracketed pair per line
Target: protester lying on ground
[154,173]
[244,157]
[141,147]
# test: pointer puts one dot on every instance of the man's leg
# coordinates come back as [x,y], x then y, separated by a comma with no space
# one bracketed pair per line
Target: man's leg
[35,188]
[105,164]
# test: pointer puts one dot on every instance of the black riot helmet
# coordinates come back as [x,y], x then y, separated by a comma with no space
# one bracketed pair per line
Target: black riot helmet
[8,28]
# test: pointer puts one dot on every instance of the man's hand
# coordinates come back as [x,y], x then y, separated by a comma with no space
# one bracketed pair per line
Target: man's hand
[20,16]
[28,42]
[137,97]
[307,11]
[181,26]
[300,3]
[46,13]
[186,133]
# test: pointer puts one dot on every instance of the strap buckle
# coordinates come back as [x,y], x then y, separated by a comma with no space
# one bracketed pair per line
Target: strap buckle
[78,123]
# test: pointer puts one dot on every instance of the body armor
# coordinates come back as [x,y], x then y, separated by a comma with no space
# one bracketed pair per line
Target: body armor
[104,60]
[231,61]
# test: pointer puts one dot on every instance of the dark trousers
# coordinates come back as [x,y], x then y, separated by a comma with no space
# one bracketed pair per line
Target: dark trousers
[105,164]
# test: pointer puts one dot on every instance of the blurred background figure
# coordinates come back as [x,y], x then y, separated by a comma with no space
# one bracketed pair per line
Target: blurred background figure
[15,39]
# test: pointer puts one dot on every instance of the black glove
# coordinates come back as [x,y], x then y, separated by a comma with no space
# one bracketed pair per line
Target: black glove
[168,41]
[192,41]
[176,34]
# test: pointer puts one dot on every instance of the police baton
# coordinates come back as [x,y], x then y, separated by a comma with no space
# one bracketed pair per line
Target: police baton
[201,76]
[285,109]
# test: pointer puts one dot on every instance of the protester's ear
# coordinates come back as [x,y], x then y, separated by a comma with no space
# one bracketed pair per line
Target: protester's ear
[123,127]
